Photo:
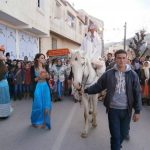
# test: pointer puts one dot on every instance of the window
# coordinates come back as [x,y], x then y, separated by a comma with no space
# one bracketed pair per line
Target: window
[40,4]
[70,20]
[80,27]
[54,43]
[90,23]
[58,10]
[86,20]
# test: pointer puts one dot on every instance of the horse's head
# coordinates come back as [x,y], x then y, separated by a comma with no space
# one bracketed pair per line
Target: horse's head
[78,63]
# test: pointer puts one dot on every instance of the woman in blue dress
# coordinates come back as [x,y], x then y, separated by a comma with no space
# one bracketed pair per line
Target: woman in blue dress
[5,103]
[41,107]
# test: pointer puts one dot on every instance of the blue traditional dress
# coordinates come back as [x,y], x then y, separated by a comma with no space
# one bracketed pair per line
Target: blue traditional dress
[5,103]
[42,105]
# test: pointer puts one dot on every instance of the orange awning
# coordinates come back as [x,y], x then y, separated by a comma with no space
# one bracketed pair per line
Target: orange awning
[58,52]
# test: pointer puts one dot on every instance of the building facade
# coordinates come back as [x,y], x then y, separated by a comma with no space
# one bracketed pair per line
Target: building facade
[22,24]
[28,27]
[66,28]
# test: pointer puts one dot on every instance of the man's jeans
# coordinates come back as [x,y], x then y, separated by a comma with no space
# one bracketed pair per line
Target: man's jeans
[119,121]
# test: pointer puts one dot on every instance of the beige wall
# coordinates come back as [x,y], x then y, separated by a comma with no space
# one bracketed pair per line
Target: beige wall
[46,43]
[68,44]
[59,23]
[28,12]
[64,43]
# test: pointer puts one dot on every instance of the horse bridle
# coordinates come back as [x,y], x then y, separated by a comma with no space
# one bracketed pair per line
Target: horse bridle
[83,84]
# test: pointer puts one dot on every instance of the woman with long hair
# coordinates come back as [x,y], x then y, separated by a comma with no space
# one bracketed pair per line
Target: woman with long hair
[5,104]
[41,107]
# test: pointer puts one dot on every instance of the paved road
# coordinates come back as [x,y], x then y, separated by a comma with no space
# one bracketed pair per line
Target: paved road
[16,132]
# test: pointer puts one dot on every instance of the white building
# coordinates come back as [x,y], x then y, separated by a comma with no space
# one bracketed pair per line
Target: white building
[22,23]
[66,28]
[115,46]
[30,26]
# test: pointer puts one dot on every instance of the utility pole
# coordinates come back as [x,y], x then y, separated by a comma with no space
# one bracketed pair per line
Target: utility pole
[125,29]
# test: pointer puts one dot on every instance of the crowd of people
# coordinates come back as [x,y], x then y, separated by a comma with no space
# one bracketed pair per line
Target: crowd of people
[42,80]
[49,80]
[20,76]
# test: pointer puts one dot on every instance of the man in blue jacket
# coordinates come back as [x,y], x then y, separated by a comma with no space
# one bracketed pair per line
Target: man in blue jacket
[123,94]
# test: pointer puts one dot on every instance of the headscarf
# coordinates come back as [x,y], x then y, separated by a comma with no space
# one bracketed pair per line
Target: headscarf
[146,69]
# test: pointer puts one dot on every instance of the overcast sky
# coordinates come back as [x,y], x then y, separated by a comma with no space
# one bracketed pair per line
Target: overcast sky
[114,13]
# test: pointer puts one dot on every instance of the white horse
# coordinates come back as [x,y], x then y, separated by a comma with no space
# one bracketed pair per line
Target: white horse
[84,76]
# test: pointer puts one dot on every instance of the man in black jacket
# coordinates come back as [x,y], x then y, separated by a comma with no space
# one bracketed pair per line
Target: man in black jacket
[109,62]
[123,94]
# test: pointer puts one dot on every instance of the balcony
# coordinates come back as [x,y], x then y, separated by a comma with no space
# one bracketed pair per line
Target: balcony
[61,28]
[10,19]
[22,25]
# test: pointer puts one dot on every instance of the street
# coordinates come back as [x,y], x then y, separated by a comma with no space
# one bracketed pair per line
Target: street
[16,132]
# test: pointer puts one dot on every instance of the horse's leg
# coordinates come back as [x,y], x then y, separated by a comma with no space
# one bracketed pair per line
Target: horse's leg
[90,106]
[94,114]
[86,118]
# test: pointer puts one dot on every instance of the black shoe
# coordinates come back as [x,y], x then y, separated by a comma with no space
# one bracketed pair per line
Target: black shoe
[15,97]
[127,138]
[59,99]
[54,100]
[148,102]
[75,101]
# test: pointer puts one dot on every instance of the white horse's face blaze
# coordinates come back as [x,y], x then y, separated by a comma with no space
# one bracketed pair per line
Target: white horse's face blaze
[77,63]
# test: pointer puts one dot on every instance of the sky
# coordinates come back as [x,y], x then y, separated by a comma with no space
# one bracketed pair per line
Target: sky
[114,14]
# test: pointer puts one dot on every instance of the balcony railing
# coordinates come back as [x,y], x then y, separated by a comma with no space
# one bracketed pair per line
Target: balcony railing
[62,28]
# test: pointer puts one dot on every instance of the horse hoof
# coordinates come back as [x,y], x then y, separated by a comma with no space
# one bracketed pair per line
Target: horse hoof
[94,125]
[84,135]
[90,112]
